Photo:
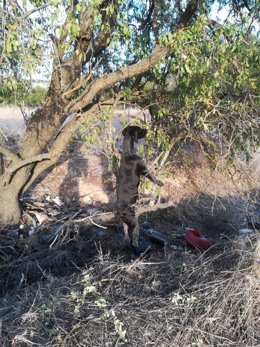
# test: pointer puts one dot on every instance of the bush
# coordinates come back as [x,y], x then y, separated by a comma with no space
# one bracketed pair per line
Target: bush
[36,96]
[22,94]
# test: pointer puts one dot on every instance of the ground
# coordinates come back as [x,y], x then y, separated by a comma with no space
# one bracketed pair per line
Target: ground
[69,279]
[79,285]
[89,291]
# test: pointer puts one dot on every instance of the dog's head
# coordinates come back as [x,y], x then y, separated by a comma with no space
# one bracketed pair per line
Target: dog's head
[134,132]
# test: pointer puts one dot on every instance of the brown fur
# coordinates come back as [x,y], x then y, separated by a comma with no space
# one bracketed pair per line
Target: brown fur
[132,167]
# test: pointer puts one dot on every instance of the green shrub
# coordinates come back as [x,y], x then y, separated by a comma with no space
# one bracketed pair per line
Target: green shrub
[36,97]
[22,94]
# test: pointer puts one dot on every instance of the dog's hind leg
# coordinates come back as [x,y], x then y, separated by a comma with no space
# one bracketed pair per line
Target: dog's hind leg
[126,233]
[131,226]
[135,232]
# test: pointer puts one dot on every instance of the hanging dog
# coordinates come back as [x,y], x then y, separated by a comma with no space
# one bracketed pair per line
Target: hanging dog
[132,167]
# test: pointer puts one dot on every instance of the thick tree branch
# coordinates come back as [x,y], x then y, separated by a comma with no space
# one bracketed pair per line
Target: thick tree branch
[13,168]
[186,16]
[93,46]
[64,137]
[106,81]
[14,157]
[155,20]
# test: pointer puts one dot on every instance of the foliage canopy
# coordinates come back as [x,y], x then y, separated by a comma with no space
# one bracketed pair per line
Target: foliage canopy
[210,88]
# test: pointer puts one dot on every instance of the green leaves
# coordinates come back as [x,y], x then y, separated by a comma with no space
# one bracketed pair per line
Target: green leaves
[12,40]
[74,28]
[18,92]
[214,89]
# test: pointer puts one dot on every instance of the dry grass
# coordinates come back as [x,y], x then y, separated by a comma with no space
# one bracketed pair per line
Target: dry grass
[188,299]
[91,293]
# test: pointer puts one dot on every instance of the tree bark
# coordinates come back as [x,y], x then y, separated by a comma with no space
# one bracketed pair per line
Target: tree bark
[33,150]
[10,212]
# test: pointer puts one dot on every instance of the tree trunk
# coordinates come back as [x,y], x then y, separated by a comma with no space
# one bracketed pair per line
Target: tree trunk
[10,212]
[34,158]
[43,127]
[10,191]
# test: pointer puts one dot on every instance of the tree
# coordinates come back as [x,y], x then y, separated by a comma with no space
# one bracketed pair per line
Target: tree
[96,48]
[209,91]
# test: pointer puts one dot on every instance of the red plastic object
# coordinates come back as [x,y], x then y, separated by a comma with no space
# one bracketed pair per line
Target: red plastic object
[196,240]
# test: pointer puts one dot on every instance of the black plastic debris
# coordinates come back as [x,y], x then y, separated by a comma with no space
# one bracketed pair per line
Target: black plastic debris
[144,246]
[155,236]
[96,233]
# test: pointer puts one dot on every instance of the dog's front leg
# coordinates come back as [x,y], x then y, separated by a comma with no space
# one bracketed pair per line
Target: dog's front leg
[142,169]
[152,178]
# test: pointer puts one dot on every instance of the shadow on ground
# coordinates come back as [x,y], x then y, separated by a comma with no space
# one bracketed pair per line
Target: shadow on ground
[77,179]
[85,287]
[66,246]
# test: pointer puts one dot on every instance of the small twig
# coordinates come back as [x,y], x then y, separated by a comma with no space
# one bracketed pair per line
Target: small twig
[53,242]
[97,225]
[4,136]
[29,13]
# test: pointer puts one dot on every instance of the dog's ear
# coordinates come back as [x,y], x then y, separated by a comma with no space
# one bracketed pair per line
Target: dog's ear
[125,130]
[141,133]
[134,130]
[131,130]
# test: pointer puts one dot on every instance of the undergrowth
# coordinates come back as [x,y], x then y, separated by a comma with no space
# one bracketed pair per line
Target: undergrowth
[211,300]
